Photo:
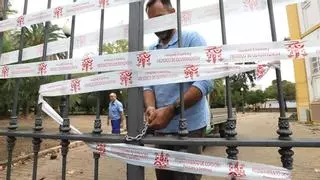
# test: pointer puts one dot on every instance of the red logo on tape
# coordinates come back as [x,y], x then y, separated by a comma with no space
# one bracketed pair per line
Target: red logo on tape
[190,71]
[101,148]
[214,53]
[20,21]
[125,78]
[251,4]
[103,3]
[236,170]
[161,160]
[5,71]
[81,40]
[186,17]
[296,49]
[260,71]
[87,63]
[125,29]
[42,68]
[57,12]
[143,59]
[75,85]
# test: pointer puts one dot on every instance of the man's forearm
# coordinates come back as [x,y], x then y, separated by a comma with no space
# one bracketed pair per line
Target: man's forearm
[149,99]
[191,97]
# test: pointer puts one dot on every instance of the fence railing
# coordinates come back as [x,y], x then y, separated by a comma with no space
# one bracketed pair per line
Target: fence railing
[136,107]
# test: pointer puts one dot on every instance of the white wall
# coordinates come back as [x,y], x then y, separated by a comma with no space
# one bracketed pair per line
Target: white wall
[312,36]
[309,16]
[275,104]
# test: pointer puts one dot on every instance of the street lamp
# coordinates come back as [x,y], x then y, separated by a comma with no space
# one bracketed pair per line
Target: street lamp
[241,89]
[67,29]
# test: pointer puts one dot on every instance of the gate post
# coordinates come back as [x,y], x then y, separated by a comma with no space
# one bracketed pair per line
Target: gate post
[38,120]
[183,125]
[135,95]
[231,133]
[13,124]
[283,124]
[64,107]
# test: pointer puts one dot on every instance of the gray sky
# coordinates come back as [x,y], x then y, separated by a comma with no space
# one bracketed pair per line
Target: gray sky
[250,27]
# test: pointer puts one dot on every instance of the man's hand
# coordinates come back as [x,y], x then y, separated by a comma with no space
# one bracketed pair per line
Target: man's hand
[150,113]
[161,117]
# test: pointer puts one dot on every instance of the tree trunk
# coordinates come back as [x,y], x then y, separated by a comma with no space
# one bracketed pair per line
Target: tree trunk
[26,110]
[2,10]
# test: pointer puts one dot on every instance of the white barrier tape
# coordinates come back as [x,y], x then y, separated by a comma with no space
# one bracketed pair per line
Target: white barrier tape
[161,23]
[190,163]
[93,5]
[129,79]
[167,58]
[189,17]
[178,161]
[59,12]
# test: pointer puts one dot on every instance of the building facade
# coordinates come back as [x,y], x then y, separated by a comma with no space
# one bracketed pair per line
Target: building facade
[304,23]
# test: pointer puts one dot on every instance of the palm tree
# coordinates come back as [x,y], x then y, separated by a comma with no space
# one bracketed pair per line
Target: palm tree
[6,45]
[33,35]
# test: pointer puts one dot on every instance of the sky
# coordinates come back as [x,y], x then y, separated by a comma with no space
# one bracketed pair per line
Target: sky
[249,27]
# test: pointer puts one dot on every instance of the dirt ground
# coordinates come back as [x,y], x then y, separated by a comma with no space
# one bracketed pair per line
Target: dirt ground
[84,123]
[260,125]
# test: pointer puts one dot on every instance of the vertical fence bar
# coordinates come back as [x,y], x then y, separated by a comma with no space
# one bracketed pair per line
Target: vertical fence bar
[231,133]
[3,16]
[65,128]
[38,121]
[135,95]
[283,124]
[183,126]
[13,125]
[97,122]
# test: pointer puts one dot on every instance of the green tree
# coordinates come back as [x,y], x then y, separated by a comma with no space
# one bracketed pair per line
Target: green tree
[34,35]
[6,45]
[29,87]
[255,97]
[289,90]
[116,47]
[217,97]
[236,83]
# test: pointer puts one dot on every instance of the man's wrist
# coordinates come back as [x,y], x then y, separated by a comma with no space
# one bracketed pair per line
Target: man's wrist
[176,108]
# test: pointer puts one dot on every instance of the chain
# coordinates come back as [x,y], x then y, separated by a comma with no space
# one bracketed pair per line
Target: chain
[139,136]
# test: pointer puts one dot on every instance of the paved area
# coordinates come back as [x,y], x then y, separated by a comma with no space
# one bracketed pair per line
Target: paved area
[262,125]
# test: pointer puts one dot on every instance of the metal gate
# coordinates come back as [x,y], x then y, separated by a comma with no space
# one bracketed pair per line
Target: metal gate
[135,108]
